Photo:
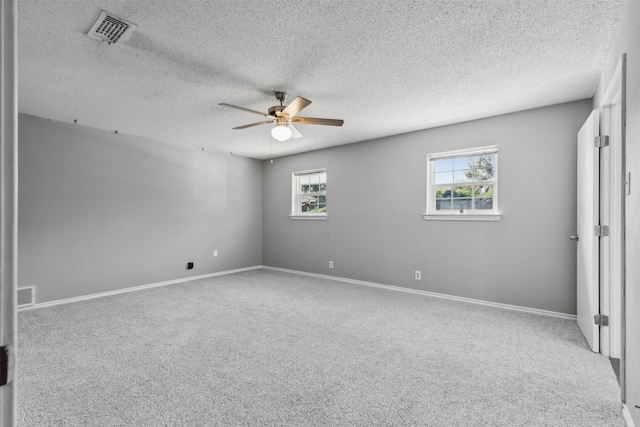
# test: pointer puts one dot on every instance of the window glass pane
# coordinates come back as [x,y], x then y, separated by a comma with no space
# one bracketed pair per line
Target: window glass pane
[304,188]
[485,165]
[462,204]
[307,204]
[442,193]
[322,199]
[463,176]
[483,174]
[484,203]
[483,191]
[462,163]
[323,187]
[462,192]
[443,178]
[443,165]
[443,205]
[321,208]
[314,188]
[485,160]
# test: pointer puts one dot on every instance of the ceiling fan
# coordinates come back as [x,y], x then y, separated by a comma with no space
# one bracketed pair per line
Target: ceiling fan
[284,117]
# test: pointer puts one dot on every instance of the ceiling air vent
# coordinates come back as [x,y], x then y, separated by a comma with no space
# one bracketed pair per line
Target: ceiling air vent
[110,28]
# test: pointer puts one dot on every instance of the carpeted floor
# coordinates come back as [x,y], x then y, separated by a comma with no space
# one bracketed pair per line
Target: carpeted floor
[270,348]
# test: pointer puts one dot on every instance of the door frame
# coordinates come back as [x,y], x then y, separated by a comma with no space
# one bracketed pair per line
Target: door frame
[8,201]
[612,258]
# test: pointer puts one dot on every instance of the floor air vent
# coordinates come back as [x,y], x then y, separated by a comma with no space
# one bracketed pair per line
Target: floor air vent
[26,296]
[110,28]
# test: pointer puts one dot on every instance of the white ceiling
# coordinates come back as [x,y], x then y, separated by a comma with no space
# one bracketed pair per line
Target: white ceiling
[384,67]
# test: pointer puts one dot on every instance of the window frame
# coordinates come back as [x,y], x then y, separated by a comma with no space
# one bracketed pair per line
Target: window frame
[470,215]
[295,196]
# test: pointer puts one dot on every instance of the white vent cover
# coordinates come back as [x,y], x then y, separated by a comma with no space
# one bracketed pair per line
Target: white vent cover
[26,296]
[110,28]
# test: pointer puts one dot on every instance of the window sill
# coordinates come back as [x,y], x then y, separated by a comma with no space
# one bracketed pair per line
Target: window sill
[462,217]
[310,217]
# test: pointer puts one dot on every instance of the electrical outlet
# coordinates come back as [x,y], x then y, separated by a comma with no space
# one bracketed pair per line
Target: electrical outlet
[418,275]
[330,264]
[215,253]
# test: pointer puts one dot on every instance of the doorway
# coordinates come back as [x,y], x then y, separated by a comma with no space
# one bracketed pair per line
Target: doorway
[600,225]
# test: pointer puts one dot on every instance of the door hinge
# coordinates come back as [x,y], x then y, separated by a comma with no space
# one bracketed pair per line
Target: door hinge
[601,230]
[601,141]
[601,319]
[6,365]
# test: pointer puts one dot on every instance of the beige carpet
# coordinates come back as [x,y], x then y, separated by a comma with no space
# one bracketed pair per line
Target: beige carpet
[270,348]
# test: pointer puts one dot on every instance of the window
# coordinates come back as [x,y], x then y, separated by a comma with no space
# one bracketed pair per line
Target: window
[463,184]
[309,194]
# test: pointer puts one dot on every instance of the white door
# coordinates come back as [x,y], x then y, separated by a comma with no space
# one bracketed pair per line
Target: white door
[588,244]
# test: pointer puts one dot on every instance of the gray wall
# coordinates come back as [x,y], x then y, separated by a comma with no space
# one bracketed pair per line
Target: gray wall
[376,195]
[627,40]
[99,211]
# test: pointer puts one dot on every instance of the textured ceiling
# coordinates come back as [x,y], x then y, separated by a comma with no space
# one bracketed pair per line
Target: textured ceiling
[384,67]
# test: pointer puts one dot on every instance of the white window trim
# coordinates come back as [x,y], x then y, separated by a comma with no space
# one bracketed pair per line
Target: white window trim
[462,217]
[432,215]
[310,217]
[294,190]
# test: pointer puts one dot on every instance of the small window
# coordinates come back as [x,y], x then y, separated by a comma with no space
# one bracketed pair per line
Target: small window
[309,194]
[463,182]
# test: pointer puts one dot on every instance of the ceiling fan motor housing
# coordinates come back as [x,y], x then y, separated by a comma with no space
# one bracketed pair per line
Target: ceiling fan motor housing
[276,110]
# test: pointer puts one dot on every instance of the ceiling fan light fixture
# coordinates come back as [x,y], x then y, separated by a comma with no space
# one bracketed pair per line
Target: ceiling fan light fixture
[281,132]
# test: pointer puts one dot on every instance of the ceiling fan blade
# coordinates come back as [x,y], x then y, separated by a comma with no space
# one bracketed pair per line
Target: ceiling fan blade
[295,107]
[312,121]
[255,124]
[294,132]
[246,109]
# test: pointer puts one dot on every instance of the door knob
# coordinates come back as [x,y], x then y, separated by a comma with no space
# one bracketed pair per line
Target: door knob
[576,238]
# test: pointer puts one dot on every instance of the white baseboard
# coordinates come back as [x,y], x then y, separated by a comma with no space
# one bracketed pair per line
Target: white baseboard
[322,276]
[136,288]
[431,294]
[627,416]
